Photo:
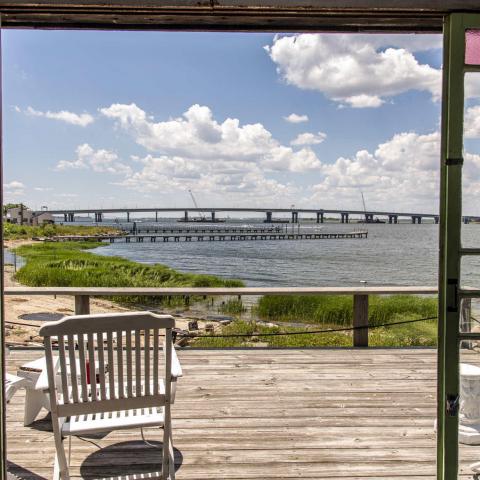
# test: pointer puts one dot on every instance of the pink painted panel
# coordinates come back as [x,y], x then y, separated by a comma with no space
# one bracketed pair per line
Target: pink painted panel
[472,47]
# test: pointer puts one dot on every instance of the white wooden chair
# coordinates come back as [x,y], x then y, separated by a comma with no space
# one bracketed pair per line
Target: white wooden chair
[129,390]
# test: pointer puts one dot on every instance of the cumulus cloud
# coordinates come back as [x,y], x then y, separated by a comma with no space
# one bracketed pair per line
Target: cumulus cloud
[309,139]
[198,137]
[98,160]
[355,70]
[295,118]
[14,188]
[81,120]
[401,173]
[472,122]
[13,185]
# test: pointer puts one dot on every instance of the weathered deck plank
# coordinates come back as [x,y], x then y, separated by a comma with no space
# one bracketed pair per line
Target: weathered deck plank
[261,414]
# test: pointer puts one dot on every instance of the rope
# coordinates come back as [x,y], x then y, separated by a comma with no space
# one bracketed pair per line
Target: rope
[303,332]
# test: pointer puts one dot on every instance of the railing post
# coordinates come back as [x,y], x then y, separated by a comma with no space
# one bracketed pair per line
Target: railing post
[82,304]
[360,319]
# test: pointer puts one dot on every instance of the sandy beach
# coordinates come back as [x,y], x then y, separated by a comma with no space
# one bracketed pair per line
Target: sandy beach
[24,331]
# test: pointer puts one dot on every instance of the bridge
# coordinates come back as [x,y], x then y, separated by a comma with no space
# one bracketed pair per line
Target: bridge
[370,216]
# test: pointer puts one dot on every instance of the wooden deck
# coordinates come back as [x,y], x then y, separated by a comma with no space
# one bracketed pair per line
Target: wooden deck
[261,414]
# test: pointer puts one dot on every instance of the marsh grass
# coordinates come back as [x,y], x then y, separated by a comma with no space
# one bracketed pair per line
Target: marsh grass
[232,306]
[338,309]
[330,312]
[70,264]
[411,335]
[17,232]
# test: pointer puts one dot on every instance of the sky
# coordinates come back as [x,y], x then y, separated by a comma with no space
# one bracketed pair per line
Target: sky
[137,119]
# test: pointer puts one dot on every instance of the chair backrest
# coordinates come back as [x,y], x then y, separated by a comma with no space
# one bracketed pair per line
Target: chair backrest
[108,362]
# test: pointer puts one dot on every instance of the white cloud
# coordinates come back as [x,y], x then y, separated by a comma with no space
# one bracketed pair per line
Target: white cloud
[14,188]
[472,122]
[198,137]
[309,138]
[13,185]
[98,160]
[356,70]
[295,118]
[401,174]
[82,119]
[43,189]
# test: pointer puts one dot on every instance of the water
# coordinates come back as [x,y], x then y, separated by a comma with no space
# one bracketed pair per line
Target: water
[402,254]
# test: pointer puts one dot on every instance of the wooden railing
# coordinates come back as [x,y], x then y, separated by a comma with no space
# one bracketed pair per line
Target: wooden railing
[360,297]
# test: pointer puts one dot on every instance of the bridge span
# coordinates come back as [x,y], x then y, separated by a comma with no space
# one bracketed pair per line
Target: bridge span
[370,216]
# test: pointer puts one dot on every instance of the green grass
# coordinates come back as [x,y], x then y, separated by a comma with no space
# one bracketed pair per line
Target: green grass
[338,310]
[20,232]
[232,306]
[330,312]
[417,334]
[69,264]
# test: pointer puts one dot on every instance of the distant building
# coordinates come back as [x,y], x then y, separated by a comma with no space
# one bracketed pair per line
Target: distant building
[42,218]
[25,216]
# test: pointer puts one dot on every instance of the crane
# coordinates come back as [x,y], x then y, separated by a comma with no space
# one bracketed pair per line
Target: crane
[196,205]
[364,207]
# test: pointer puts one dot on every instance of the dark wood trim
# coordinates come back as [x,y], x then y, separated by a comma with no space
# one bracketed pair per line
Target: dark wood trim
[234,15]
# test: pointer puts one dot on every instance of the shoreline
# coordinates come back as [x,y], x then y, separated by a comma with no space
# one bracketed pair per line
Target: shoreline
[19,331]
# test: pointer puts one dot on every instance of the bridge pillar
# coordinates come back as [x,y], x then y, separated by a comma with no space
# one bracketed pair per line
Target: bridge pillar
[368,217]
[436,219]
[269,217]
[392,219]
[414,219]
[156,216]
[65,217]
[466,220]
[98,217]
[319,217]
[419,220]
[185,217]
[344,217]
[128,217]
[213,217]
[294,217]
[71,217]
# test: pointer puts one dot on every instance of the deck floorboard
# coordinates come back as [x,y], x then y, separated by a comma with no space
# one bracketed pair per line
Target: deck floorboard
[264,414]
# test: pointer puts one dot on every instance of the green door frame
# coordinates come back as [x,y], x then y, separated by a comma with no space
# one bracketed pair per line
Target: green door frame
[451,251]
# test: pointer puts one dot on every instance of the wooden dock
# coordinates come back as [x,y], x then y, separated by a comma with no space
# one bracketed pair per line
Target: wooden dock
[211,237]
[270,414]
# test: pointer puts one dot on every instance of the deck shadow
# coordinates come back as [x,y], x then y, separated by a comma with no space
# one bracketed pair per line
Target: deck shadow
[126,458]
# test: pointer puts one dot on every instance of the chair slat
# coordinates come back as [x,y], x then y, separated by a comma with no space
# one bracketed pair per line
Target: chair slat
[121,388]
[63,368]
[138,364]
[111,366]
[155,361]
[73,367]
[128,353]
[91,367]
[146,363]
[82,367]
[101,365]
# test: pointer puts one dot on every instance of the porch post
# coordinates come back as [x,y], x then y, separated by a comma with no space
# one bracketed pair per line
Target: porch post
[450,244]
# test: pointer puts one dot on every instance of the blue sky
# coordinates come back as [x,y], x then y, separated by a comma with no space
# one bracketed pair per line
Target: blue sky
[139,118]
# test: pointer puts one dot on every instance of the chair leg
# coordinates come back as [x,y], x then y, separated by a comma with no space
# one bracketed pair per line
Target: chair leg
[34,401]
[165,454]
[171,458]
[60,471]
[167,428]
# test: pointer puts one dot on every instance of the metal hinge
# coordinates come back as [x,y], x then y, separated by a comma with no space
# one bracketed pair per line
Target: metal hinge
[452,283]
[451,405]
[454,161]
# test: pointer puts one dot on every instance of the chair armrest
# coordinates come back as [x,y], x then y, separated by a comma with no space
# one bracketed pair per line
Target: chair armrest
[42,382]
[176,368]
